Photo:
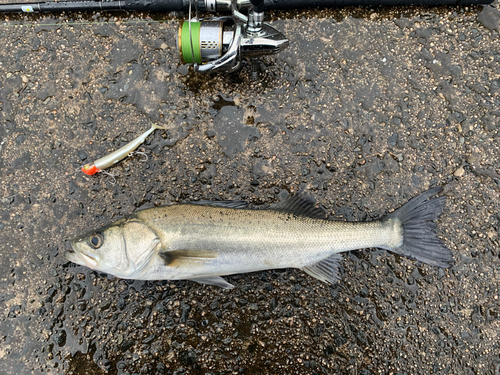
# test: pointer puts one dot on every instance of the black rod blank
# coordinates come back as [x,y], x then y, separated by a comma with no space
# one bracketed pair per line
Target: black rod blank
[90,5]
[182,5]
[300,4]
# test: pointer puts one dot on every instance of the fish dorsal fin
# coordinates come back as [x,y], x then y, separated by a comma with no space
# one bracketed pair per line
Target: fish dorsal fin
[214,280]
[302,205]
[225,204]
[186,258]
[326,270]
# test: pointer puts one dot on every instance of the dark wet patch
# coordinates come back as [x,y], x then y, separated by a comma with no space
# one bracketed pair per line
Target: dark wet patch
[490,17]
[233,134]
[23,161]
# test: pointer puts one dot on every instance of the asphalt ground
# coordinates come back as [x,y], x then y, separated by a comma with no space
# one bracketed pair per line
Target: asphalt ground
[366,109]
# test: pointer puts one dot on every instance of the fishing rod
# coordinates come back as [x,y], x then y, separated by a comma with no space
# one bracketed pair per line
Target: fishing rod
[219,44]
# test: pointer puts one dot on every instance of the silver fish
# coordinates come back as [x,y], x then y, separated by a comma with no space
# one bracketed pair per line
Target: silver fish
[206,240]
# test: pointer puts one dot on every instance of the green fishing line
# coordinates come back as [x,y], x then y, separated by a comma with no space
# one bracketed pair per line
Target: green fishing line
[187,52]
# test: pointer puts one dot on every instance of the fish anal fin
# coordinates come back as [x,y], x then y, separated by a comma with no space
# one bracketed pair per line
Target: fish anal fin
[214,280]
[326,270]
[185,257]
[302,205]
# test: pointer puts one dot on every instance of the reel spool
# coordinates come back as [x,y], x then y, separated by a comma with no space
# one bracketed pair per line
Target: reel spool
[208,40]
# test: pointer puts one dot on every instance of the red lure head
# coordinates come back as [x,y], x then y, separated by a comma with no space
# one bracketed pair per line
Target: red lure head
[90,169]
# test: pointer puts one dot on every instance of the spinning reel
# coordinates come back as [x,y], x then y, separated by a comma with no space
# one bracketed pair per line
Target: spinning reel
[218,44]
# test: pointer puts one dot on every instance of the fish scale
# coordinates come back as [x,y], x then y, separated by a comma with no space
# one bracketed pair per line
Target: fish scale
[254,235]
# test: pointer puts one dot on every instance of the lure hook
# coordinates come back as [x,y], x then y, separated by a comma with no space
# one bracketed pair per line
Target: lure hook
[139,153]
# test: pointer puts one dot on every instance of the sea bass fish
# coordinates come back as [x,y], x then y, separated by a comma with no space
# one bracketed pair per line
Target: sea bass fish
[206,240]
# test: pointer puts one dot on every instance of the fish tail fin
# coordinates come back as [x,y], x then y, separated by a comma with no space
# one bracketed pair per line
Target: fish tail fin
[420,241]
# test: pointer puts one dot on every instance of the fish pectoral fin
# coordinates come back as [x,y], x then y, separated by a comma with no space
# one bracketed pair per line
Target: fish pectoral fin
[214,280]
[302,205]
[326,270]
[185,258]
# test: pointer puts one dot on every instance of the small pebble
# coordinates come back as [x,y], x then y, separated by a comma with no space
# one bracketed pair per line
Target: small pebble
[459,172]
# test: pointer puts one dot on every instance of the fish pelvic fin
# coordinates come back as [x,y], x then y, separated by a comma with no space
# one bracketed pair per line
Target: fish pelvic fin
[420,241]
[326,270]
[214,280]
[300,204]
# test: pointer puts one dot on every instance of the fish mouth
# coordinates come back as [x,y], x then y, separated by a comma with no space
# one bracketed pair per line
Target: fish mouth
[80,258]
[70,255]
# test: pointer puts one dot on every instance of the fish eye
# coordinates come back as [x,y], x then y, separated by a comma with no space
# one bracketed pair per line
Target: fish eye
[96,240]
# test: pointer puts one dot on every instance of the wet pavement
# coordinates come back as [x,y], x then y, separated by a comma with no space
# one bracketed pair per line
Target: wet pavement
[366,109]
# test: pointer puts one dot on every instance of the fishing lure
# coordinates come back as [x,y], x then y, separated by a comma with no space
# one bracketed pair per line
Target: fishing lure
[118,155]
